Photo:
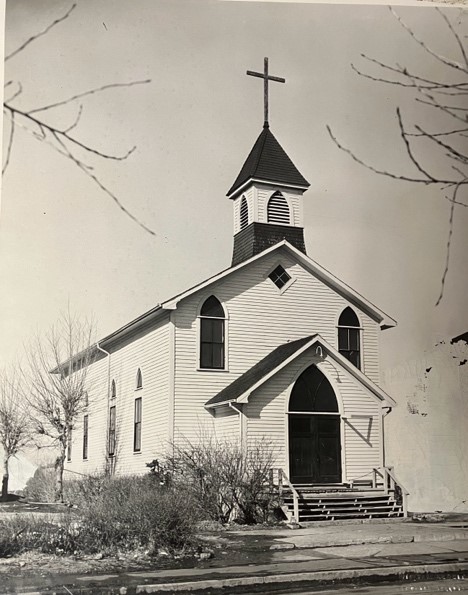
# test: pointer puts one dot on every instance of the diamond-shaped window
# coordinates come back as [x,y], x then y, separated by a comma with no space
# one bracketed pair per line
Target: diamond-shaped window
[279,277]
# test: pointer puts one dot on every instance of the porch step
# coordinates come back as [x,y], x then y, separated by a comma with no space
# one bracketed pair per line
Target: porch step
[332,506]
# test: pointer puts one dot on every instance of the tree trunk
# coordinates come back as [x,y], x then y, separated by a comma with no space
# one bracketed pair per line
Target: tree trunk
[59,465]
[5,478]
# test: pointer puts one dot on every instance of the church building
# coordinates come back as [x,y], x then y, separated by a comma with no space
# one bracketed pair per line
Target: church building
[275,347]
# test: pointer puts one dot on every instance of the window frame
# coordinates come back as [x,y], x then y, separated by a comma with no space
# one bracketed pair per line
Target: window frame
[85,436]
[290,211]
[243,202]
[139,380]
[112,424]
[69,445]
[287,285]
[360,332]
[137,424]
[225,343]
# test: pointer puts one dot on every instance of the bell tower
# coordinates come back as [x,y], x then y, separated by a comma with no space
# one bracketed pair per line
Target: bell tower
[267,194]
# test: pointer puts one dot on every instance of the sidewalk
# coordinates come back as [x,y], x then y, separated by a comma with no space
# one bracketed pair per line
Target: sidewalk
[269,559]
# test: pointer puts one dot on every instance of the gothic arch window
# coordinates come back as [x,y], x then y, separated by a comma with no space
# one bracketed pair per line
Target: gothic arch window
[212,334]
[313,393]
[113,392]
[349,340]
[278,210]
[139,380]
[244,213]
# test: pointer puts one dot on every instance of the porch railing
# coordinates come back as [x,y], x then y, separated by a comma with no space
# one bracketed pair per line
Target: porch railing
[385,476]
[281,480]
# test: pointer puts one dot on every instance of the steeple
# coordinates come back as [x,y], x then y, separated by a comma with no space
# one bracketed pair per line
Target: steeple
[267,194]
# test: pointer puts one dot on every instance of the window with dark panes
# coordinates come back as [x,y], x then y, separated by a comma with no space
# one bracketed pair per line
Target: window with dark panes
[279,277]
[69,445]
[212,334]
[137,426]
[111,446]
[349,340]
[139,379]
[85,437]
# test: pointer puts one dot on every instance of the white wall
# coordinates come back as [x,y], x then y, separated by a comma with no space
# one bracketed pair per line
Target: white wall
[149,351]
[427,434]
[260,319]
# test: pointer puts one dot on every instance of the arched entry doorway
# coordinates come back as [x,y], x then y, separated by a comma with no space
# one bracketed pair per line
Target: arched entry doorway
[314,430]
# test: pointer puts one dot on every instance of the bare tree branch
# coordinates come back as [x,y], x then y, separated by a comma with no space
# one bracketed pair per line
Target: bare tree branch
[85,93]
[408,148]
[104,188]
[10,144]
[455,34]
[449,244]
[65,135]
[41,33]
[442,59]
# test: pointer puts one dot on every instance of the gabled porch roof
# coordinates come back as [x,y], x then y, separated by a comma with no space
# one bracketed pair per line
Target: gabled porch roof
[241,388]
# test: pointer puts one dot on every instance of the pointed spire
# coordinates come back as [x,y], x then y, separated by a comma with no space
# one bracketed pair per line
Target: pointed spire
[268,162]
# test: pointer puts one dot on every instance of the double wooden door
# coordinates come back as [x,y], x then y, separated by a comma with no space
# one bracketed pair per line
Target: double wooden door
[314,448]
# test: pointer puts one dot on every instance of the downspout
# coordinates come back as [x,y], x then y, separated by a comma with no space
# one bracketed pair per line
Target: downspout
[237,407]
[384,415]
[107,354]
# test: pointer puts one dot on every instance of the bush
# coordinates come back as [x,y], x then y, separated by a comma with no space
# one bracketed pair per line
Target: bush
[41,486]
[112,514]
[227,481]
[138,512]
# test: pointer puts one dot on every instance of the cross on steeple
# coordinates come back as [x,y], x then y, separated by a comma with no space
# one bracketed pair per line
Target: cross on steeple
[266,77]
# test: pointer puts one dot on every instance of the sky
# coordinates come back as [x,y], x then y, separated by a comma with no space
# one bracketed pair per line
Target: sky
[63,241]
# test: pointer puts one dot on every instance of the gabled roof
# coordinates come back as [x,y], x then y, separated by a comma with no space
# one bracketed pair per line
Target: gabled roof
[268,162]
[313,267]
[240,389]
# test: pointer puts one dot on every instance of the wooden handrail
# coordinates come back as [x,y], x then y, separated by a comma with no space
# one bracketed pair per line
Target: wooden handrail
[282,477]
[391,483]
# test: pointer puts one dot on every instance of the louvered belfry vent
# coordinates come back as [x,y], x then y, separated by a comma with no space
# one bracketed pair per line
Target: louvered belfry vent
[244,213]
[278,209]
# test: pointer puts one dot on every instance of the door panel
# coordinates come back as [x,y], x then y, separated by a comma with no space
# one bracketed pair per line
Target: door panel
[314,448]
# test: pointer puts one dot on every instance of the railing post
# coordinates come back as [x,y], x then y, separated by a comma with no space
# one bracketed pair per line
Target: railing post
[296,507]
[374,478]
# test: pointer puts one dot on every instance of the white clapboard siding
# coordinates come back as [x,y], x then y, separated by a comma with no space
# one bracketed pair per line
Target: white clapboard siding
[267,417]
[226,426]
[149,351]
[260,319]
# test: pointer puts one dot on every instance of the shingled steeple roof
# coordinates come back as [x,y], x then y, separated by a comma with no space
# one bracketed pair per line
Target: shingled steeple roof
[268,162]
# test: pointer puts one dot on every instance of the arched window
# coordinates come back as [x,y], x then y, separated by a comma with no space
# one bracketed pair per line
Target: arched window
[139,380]
[244,213]
[349,343]
[313,392]
[113,390]
[278,209]
[212,323]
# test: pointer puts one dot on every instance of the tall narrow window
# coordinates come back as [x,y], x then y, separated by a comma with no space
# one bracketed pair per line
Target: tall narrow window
[349,343]
[139,380]
[278,210]
[69,444]
[137,426]
[85,437]
[111,445]
[212,327]
[113,390]
[244,213]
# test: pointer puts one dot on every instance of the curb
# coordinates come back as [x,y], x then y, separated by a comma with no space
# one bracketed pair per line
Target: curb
[310,578]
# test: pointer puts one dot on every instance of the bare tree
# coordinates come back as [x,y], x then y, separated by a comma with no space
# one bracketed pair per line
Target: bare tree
[38,121]
[445,99]
[58,371]
[15,427]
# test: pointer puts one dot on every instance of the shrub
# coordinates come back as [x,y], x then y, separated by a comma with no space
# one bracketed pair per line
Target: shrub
[41,486]
[227,481]
[112,514]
